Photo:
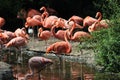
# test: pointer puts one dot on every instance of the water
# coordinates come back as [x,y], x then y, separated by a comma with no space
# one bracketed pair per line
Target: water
[59,70]
[69,68]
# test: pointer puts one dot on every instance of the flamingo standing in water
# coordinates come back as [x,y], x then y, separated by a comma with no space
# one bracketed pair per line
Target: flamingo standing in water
[44,35]
[37,63]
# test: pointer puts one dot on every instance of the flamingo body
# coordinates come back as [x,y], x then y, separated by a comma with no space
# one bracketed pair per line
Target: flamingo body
[44,35]
[37,63]
[88,21]
[16,42]
[62,47]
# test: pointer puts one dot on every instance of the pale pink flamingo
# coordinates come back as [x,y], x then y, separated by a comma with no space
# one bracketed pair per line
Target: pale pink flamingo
[38,64]
[88,21]
[21,32]
[98,26]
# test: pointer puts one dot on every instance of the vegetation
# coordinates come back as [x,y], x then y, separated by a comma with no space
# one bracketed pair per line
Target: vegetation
[107,41]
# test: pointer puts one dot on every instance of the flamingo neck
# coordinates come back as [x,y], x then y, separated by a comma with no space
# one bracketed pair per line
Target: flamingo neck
[99,16]
[53,31]
[73,26]
[66,40]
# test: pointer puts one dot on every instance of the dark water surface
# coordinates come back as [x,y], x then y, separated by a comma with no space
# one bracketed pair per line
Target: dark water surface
[68,68]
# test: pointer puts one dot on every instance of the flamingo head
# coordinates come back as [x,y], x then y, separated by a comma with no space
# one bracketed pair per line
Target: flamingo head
[43,8]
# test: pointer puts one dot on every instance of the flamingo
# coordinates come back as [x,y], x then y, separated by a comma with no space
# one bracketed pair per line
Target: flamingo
[88,21]
[10,34]
[3,38]
[23,14]
[77,36]
[61,47]
[44,35]
[64,23]
[98,25]
[21,32]
[37,63]
[2,22]
[16,42]
[48,21]
[32,22]
[77,19]
[60,33]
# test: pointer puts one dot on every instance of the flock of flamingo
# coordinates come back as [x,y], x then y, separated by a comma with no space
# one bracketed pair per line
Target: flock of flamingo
[47,23]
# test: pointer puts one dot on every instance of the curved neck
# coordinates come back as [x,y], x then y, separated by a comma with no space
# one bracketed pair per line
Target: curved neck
[53,30]
[99,16]
[66,39]
[73,26]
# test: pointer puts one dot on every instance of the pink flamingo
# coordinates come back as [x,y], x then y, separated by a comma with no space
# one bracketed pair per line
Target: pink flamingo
[21,32]
[77,19]
[88,21]
[44,35]
[16,42]
[98,26]
[37,63]
[48,21]
[62,47]
[79,35]
[59,34]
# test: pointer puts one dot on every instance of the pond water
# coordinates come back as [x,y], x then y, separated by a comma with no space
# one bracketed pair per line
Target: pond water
[59,70]
[68,68]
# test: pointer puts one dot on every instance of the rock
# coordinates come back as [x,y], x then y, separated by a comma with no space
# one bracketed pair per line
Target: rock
[5,71]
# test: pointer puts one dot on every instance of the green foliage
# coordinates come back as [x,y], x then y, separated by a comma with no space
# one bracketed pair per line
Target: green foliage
[108,7]
[107,76]
[106,42]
